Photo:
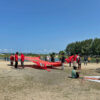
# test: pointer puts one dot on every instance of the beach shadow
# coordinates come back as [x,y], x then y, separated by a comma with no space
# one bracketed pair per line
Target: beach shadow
[8,64]
[55,68]
[38,67]
[30,66]
[20,67]
[34,66]
[13,67]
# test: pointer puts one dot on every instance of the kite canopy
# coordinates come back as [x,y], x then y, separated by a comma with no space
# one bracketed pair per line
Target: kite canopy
[41,63]
[92,78]
[72,58]
[44,64]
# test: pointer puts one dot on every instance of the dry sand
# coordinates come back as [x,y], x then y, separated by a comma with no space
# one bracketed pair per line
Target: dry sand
[36,84]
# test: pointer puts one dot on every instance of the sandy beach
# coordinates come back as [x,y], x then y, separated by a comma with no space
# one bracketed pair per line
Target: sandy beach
[36,84]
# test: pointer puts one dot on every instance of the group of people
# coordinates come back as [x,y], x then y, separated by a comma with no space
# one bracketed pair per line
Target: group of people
[52,59]
[15,58]
[76,66]
[75,71]
[76,61]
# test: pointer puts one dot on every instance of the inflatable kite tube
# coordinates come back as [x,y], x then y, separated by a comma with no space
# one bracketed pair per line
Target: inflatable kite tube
[92,78]
[41,63]
[71,58]
[44,64]
[55,64]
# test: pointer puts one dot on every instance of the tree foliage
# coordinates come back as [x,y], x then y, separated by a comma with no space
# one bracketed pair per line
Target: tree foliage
[86,47]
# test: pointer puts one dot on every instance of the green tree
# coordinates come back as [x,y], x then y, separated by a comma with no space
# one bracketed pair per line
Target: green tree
[86,47]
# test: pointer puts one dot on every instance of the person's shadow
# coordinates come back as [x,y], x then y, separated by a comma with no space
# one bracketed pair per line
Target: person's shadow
[9,64]
[35,67]
[30,66]
[38,67]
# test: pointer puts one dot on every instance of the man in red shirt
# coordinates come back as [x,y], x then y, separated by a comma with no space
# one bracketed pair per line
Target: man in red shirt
[11,59]
[22,60]
[16,60]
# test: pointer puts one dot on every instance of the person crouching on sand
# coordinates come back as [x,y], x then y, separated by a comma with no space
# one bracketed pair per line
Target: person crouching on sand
[16,60]
[74,73]
[22,60]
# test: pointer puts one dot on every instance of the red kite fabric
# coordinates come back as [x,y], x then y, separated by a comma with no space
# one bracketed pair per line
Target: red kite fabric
[72,58]
[44,64]
[41,63]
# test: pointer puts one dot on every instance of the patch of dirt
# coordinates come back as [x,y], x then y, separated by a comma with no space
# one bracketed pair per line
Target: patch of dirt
[36,84]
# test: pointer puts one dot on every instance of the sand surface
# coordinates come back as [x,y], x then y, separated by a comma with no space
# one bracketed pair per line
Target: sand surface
[36,84]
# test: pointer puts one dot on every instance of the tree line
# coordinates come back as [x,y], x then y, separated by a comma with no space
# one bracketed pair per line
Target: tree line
[88,47]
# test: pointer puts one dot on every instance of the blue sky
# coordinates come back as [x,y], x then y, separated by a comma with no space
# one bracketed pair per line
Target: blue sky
[43,26]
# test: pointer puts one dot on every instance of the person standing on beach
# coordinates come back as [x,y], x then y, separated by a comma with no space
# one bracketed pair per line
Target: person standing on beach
[22,60]
[85,60]
[97,60]
[45,58]
[63,61]
[70,63]
[74,61]
[52,58]
[16,60]
[79,63]
[48,58]
[11,60]
[89,59]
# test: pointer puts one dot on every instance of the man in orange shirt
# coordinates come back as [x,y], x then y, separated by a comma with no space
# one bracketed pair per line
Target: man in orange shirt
[16,60]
